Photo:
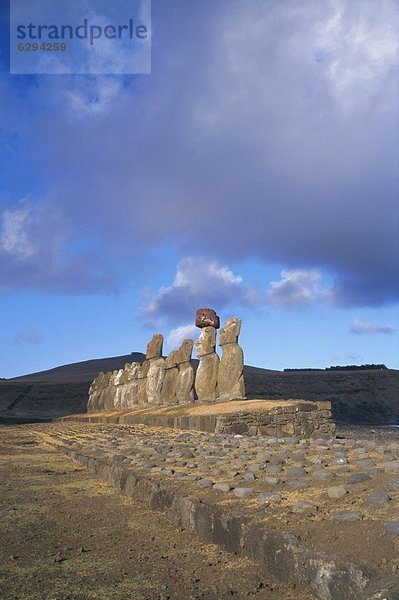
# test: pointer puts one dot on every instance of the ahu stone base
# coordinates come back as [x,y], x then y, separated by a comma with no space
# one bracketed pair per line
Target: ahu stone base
[285,418]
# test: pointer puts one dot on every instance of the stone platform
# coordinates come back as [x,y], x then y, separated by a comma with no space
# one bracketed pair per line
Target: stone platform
[269,418]
[321,515]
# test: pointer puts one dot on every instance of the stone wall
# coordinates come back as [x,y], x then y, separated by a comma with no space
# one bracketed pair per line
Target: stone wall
[303,419]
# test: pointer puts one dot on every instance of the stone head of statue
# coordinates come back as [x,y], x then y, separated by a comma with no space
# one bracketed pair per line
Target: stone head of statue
[206,341]
[230,332]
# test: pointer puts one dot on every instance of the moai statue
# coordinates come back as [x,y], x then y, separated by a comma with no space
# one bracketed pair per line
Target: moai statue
[142,382]
[156,370]
[130,377]
[102,392]
[94,391]
[185,375]
[170,379]
[108,396]
[231,369]
[207,373]
[118,389]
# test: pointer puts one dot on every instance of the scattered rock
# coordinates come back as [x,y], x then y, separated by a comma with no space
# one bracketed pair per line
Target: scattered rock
[348,515]
[336,491]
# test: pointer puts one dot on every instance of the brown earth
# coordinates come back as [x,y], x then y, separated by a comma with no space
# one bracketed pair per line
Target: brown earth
[66,535]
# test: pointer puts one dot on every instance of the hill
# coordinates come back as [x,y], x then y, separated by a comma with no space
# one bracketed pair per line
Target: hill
[357,396]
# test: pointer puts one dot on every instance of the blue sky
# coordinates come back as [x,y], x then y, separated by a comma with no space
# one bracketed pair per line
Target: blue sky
[255,171]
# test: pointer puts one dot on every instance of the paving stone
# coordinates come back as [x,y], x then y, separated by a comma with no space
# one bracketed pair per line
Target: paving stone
[295,472]
[204,483]
[303,506]
[255,467]
[273,469]
[378,498]
[269,498]
[339,460]
[393,484]
[298,484]
[222,487]
[272,480]
[322,475]
[348,515]
[249,477]
[392,527]
[243,492]
[336,491]
[364,463]
[343,469]
[358,478]
[392,466]
[315,460]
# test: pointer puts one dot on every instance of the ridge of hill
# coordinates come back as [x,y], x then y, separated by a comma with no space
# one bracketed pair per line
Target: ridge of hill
[357,396]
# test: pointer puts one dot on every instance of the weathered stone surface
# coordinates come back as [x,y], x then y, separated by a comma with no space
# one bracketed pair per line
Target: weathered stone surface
[142,383]
[358,478]
[384,589]
[170,360]
[336,492]
[155,377]
[378,498]
[206,342]
[207,377]
[231,373]
[185,383]
[128,392]
[348,515]
[183,354]
[206,317]
[230,331]
[231,370]
[154,346]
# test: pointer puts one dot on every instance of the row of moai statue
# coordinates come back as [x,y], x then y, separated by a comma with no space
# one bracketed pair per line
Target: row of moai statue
[172,380]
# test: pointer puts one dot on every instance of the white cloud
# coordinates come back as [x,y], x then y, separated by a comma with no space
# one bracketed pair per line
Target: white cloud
[361,327]
[15,237]
[358,48]
[298,287]
[177,335]
[198,282]
[93,100]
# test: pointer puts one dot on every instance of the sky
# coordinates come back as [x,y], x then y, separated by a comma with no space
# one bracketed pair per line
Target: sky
[255,171]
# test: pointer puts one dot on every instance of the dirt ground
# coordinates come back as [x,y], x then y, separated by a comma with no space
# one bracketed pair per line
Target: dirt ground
[66,535]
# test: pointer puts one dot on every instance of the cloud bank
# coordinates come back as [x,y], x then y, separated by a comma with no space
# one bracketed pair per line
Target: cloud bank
[266,131]
[198,282]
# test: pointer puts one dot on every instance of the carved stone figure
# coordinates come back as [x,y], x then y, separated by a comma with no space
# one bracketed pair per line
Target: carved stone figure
[154,347]
[231,368]
[130,385]
[142,382]
[207,373]
[155,378]
[185,376]
[170,379]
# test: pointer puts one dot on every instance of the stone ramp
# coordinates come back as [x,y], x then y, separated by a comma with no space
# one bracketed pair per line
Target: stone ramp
[194,479]
[271,418]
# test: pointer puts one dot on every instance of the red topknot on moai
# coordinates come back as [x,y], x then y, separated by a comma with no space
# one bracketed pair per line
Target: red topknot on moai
[206,317]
